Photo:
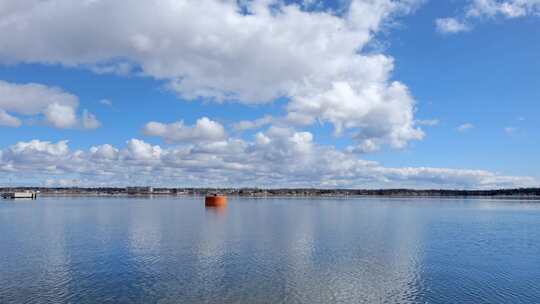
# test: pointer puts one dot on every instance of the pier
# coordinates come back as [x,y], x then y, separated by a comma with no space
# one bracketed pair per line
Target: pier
[20,195]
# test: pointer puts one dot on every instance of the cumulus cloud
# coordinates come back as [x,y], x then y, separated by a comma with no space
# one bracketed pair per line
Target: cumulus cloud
[253,52]
[57,106]
[60,116]
[106,151]
[377,114]
[279,157]
[451,25]
[203,130]
[7,120]
[89,121]
[41,155]
[32,98]
[482,9]
[141,151]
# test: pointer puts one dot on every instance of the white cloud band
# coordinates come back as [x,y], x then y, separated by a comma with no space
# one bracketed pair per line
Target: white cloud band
[280,157]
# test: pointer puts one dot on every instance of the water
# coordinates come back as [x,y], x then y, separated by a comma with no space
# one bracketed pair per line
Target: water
[173,250]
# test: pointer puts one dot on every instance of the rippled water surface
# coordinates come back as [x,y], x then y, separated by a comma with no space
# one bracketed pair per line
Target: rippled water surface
[173,250]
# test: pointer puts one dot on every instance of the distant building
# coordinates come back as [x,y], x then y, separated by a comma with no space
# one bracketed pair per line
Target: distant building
[139,190]
[162,191]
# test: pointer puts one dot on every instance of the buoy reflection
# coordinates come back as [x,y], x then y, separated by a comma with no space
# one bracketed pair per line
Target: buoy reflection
[219,210]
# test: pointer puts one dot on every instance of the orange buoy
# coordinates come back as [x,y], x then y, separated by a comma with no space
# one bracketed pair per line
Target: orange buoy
[215,200]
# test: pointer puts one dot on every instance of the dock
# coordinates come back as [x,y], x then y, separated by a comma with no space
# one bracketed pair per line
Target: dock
[20,195]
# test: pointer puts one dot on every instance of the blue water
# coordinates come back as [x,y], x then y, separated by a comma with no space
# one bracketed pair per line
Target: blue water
[173,250]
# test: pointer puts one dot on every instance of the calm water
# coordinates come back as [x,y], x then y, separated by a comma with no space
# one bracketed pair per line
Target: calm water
[173,250]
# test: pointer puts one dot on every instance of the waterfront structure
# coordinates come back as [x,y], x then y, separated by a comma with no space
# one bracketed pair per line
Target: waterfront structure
[20,195]
[139,190]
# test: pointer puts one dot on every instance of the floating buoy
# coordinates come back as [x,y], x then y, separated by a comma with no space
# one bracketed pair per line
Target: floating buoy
[215,200]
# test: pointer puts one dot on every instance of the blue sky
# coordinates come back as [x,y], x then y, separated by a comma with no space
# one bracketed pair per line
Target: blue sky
[485,77]
[363,94]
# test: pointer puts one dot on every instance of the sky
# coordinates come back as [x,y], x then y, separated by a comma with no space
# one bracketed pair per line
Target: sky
[266,93]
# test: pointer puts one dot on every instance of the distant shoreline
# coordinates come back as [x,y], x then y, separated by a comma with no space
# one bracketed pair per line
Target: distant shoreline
[519,193]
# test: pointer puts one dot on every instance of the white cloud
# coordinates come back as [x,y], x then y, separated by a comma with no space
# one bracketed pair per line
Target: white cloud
[42,155]
[283,145]
[506,8]
[116,68]
[482,9]
[377,113]
[279,157]
[89,121]
[253,124]
[7,120]
[63,182]
[140,150]
[61,116]
[58,107]
[428,122]
[203,130]
[33,98]
[104,152]
[451,26]
[367,146]
[459,178]
[465,127]
[212,49]
[106,102]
